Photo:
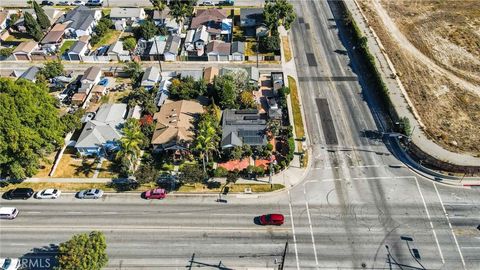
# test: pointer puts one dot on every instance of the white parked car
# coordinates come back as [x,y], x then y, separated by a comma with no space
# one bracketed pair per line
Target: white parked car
[48,194]
[9,264]
[90,194]
[8,213]
[78,3]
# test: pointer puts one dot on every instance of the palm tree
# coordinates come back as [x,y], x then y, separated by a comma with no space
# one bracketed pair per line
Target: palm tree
[130,143]
[207,138]
[179,10]
[159,5]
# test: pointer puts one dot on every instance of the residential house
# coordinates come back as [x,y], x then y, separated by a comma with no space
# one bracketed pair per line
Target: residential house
[25,49]
[116,51]
[253,75]
[4,15]
[163,19]
[52,13]
[98,91]
[157,49]
[92,75]
[188,43]
[250,73]
[218,51]
[277,81]
[209,74]
[174,125]
[30,74]
[102,134]
[197,75]
[130,16]
[150,77]
[241,127]
[163,94]
[54,37]
[171,48]
[274,111]
[251,17]
[81,21]
[238,51]
[78,49]
[200,38]
[216,21]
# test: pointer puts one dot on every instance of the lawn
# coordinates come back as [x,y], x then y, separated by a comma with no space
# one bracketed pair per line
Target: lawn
[70,166]
[107,170]
[198,187]
[296,110]
[286,49]
[19,37]
[66,45]
[46,165]
[110,37]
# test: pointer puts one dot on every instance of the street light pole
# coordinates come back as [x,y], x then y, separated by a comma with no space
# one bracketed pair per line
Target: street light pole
[158,55]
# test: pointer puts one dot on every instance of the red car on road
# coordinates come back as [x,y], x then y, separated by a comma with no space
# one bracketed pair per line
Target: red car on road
[272,219]
[156,193]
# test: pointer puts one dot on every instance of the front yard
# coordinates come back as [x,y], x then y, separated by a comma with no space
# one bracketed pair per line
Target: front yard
[109,38]
[72,167]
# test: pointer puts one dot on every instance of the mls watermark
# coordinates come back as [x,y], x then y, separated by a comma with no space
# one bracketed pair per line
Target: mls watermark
[37,263]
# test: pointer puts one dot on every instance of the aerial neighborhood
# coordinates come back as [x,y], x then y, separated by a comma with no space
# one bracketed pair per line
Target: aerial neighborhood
[239,134]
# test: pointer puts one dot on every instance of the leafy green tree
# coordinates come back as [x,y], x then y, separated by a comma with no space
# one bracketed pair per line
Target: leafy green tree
[129,43]
[134,71]
[192,173]
[42,18]
[147,30]
[30,127]
[273,126]
[103,26]
[225,91]
[179,10]
[32,26]
[144,99]
[187,88]
[6,52]
[52,69]
[159,5]
[147,173]
[83,252]
[246,100]
[130,143]
[279,12]
[72,121]
[270,43]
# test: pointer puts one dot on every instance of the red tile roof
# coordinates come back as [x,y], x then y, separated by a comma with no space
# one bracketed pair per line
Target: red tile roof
[235,164]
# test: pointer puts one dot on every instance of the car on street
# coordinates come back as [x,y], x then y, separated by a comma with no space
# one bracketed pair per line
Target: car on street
[90,194]
[156,193]
[207,3]
[63,3]
[9,263]
[272,219]
[78,3]
[19,193]
[8,212]
[94,2]
[47,3]
[48,194]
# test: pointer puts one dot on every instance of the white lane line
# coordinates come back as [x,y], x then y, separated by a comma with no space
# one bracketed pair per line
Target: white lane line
[357,178]
[429,219]
[31,212]
[311,228]
[143,228]
[293,230]
[16,244]
[470,247]
[450,225]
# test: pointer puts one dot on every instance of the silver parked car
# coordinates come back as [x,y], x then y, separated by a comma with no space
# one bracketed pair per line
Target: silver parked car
[90,194]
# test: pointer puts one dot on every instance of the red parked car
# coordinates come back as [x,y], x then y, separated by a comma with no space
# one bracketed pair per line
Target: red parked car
[156,193]
[272,219]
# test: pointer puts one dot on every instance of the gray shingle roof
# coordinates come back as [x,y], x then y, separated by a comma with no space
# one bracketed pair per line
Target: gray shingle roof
[118,13]
[242,127]
[238,47]
[81,18]
[151,75]
[77,47]
[30,74]
[173,43]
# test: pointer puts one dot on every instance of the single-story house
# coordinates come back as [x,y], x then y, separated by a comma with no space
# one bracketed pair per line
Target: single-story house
[241,127]
[238,51]
[163,94]
[216,21]
[164,19]
[150,77]
[277,81]
[218,51]
[197,75]
[251,73]
[25,49]
[159,17]
[171,48]
[92,75]
[209,74]
[4,15]
[158,48]
[104,131]
[30,74]
[174,124]
[52,13]
[131,16]
[251,17]
[274,112]
[200,38]
[55,35]
[78,49]
[81,21]
[115,51]
[188,43]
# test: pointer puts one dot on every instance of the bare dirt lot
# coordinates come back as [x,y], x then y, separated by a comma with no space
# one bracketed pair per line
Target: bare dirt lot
[434,46]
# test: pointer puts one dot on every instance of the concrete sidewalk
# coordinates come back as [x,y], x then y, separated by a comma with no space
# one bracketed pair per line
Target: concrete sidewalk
[399,97]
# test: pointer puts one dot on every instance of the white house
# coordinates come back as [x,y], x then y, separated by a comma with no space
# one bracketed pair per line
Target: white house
[116,51]
[150,77]
[201,37]
[81,21]
[171,49]
[78,49]
[131,16]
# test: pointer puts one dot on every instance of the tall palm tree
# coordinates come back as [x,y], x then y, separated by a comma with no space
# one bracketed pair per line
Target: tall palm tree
[207,139]
[130,143]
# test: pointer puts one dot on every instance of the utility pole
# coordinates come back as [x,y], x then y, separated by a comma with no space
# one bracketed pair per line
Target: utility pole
[158,55]
[282,264]
[258,38]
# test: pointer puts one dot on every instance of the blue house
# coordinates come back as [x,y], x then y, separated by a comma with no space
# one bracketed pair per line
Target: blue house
[102,132]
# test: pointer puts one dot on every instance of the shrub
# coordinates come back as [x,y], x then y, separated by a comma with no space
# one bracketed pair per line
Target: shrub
[220,172]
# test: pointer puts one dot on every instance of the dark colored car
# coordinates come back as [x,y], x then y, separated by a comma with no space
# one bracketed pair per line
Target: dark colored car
[272,219]
[47,3]
[19,193]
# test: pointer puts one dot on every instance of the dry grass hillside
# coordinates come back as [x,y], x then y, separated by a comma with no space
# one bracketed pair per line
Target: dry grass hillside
[434,46]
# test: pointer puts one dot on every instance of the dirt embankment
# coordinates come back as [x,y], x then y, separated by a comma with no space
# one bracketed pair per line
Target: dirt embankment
[444,88]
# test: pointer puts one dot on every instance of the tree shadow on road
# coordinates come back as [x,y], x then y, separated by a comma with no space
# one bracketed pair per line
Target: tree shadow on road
[42,258]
